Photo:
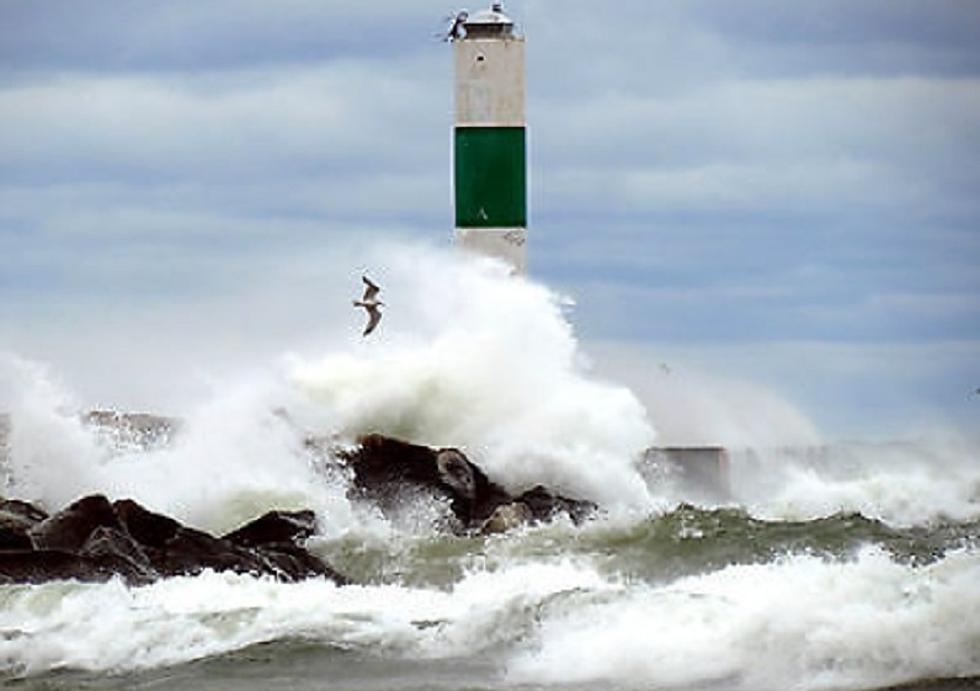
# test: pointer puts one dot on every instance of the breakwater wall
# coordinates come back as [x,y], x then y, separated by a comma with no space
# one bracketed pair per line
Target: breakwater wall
[701,470]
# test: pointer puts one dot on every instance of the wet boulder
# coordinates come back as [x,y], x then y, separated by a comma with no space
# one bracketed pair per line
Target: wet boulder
[94,540]
[22,511]
[544,505]
[507,517]
[275,539]
[117,551]
[43,565]
[190,551]
[273,527]
[384,468]
[146,527]
[536,505]
[68,529]
[291,562]
[13,536]
[16,520]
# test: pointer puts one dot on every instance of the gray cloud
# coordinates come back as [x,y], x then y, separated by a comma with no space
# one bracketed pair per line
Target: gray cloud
[888,388]
[178,35]
[241,125]
[752,172]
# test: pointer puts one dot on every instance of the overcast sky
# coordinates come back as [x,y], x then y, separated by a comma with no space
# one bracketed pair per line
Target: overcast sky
[782,192]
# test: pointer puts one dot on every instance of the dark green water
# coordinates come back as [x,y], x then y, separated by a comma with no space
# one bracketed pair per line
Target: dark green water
[308,667]
[686,541]
[494,607]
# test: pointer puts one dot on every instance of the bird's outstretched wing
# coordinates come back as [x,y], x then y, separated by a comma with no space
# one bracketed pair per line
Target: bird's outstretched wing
[455,22]
[370,289]
[374,316]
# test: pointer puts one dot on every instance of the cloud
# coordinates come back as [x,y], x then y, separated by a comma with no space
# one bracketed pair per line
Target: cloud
[253,125]
[667,48]
[771,392]
[701,173]
[887,139]
[143,183]
[180,35]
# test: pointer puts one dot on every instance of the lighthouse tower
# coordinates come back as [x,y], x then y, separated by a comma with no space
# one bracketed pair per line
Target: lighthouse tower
[489,149]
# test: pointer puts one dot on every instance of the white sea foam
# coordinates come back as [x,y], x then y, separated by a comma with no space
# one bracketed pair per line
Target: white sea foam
[799,622]
[109,627]
[902,484]
[490,364]
[470,357]
[465,356]
[796,622]
[233,459]
[51,455]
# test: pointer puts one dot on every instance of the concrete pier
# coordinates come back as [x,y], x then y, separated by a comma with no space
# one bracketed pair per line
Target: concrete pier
[702,471]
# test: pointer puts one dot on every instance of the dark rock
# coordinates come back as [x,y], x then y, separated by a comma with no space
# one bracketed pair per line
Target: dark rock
[457,473]
[381,461]
[13,536]
[41,566]
[191,551]
[489,496]
[16,519]
[275,526]
[25,511]
[147,528]
[117,551]
[507,517]
[292,563]
[68,529]
[537,505]
[93,540]
[383,467]
[545,505]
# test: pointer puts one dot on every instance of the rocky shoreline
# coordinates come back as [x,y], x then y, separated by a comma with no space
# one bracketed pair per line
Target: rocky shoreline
[384,468]
[95,539]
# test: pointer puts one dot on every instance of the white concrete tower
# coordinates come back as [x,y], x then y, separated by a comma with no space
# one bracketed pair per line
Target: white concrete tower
[489,149]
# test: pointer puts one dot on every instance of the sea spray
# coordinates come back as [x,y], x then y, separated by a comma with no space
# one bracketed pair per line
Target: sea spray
[652,597]
[108,627]
[466,356]
[903,484]
[51,457]
[548,619]
[796,622]
[490,365]
[233,459]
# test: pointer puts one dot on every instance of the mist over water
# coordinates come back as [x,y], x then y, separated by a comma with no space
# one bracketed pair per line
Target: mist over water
[466,356]
[499,376]
[827,566]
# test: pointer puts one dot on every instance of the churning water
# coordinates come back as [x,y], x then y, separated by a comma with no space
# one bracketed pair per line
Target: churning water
[848,567]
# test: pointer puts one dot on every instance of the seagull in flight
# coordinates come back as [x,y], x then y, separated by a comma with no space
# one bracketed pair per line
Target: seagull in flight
[370,302]
[456,30]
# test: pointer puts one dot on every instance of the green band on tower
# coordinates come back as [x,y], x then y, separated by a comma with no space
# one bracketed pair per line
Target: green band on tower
[490,178]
